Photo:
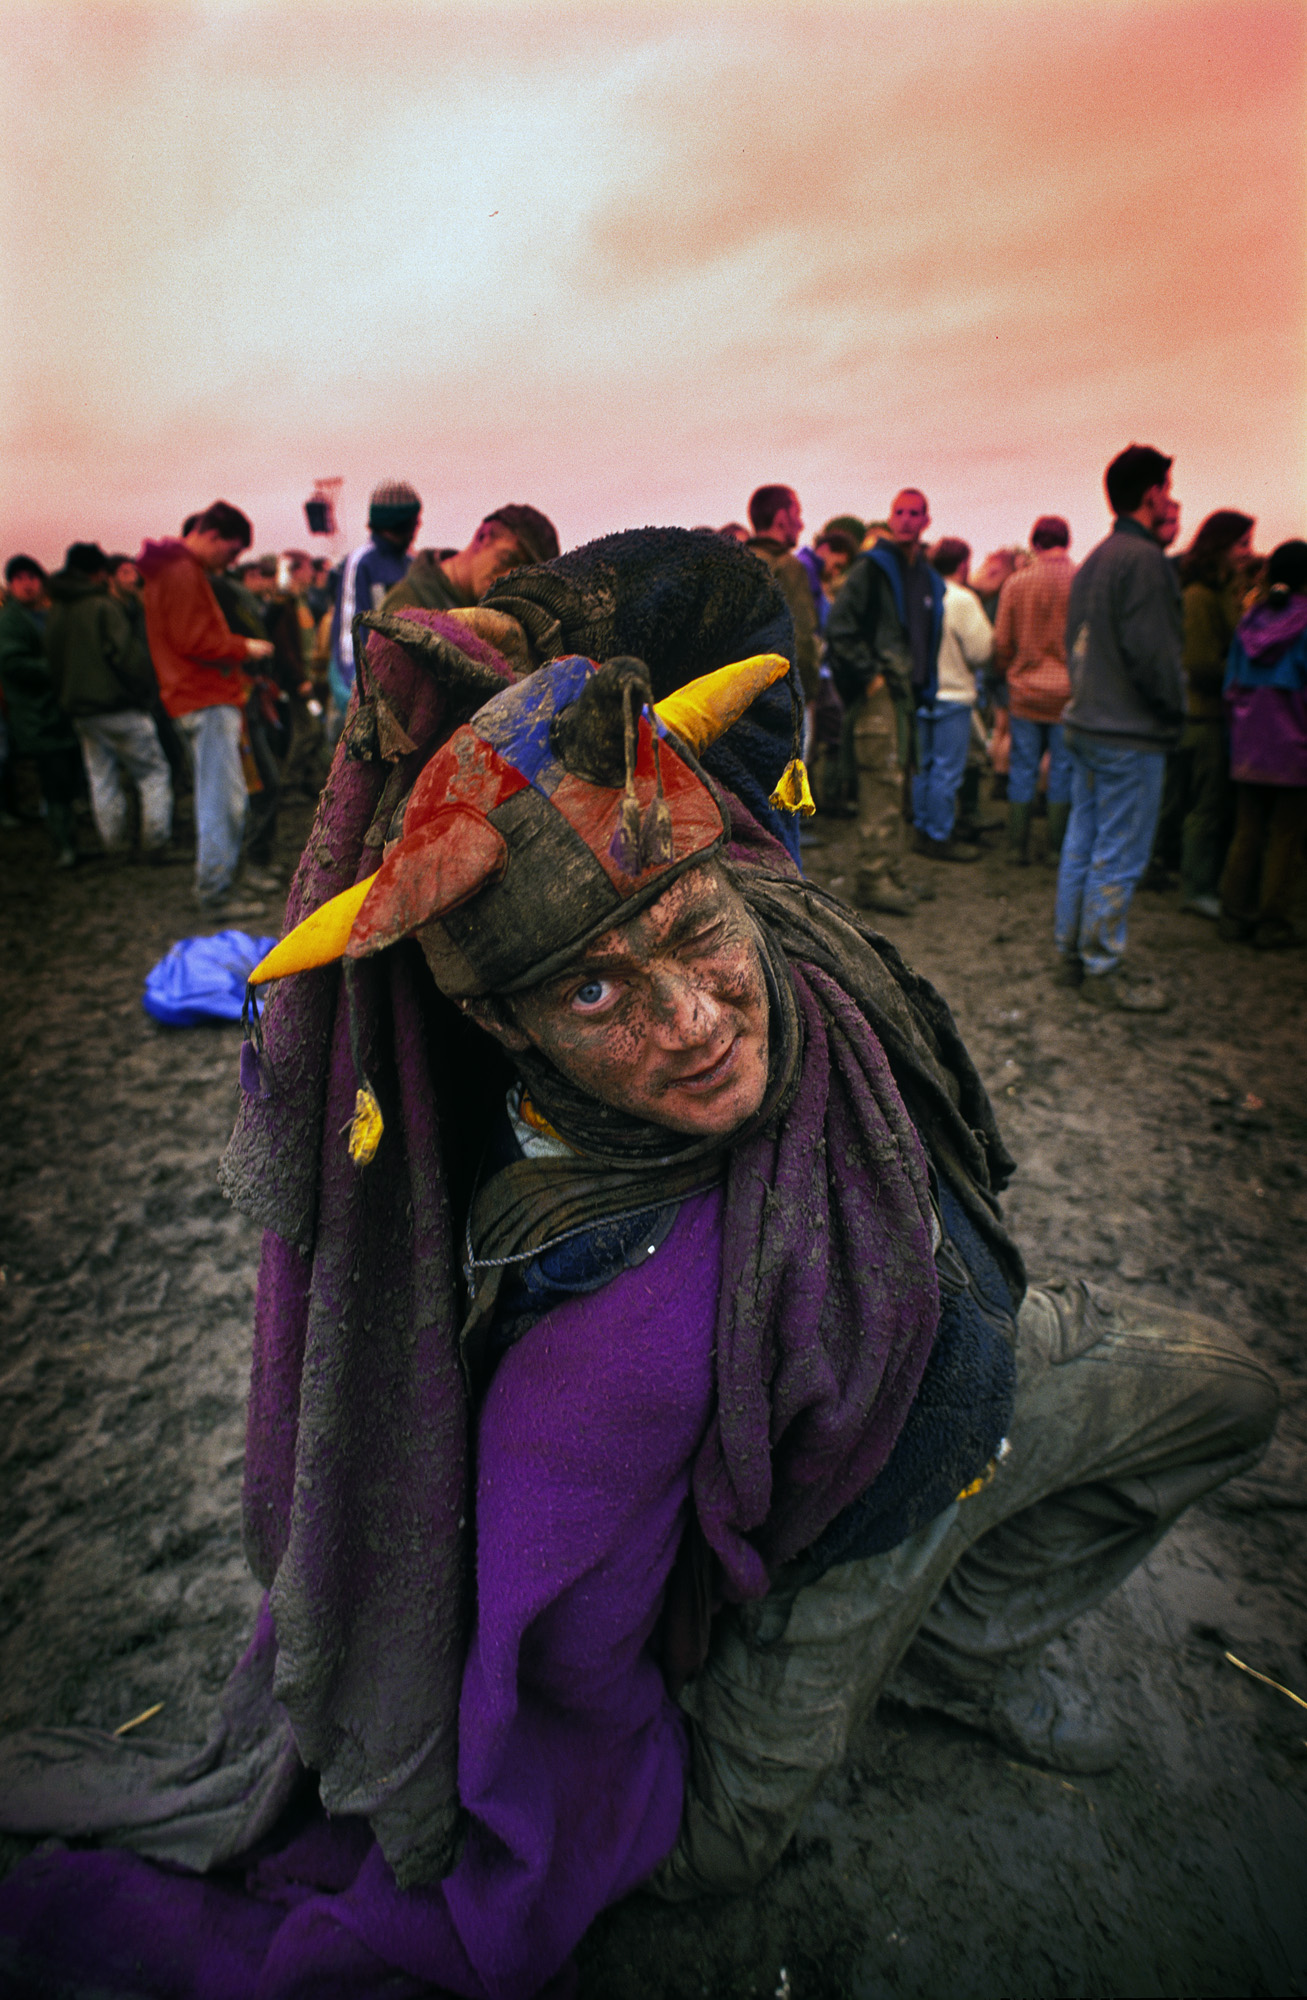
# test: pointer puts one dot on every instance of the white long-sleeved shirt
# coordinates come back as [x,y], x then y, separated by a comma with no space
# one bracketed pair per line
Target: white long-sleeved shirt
[966,643]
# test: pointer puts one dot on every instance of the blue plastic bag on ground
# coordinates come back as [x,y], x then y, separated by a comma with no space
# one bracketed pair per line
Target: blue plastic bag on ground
[203,978]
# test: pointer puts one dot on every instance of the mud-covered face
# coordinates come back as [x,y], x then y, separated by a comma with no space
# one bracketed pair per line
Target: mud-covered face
[665,1016]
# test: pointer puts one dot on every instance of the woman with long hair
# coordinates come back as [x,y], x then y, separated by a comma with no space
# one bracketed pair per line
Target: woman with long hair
[1266,706]
[1210,576]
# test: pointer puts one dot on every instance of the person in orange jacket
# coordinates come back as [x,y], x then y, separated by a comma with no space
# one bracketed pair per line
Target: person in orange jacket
[198,660]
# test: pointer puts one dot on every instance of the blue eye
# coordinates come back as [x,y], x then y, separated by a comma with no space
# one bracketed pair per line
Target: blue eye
[595,995]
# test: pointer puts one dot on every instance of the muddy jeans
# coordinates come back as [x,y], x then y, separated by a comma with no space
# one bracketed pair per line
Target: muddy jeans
[1125,1413]
[221,801]
[872,749]
[126,741]
[1115,797]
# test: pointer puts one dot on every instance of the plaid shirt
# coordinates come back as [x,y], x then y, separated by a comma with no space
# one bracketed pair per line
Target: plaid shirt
[1030,637]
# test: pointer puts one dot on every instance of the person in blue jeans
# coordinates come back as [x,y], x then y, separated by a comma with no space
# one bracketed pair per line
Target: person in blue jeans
[1030,654]
[1124,646]
[943,733]
[1115,798]
[1029,742]
[944,717]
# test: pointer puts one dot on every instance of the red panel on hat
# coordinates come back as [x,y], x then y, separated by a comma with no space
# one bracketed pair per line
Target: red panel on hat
[466,770]
[451,858]
[592,811]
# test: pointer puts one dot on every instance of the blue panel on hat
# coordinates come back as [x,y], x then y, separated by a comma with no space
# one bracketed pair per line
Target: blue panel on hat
[518,721]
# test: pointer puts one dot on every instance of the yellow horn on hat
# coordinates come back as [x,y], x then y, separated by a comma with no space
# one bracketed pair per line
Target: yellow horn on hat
[698,714]
[319,940]
[706,708]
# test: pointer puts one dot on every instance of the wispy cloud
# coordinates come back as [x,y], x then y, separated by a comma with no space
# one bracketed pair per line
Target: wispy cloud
[626,264]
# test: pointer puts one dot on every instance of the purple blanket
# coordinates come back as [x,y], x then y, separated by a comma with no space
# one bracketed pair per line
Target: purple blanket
[571,1754]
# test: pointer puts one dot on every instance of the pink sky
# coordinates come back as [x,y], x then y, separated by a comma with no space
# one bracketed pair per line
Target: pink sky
[628,262]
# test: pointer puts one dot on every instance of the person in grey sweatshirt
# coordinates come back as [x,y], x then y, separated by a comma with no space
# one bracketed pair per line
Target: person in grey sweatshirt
[1124,649]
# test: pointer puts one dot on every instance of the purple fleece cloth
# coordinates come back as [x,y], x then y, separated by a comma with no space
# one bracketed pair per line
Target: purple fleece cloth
[1266,696]
[571,1754]
[829,1305]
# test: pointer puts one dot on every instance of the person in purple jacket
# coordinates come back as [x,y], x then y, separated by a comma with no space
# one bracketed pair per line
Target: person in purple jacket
[645,1380]
[1266,707]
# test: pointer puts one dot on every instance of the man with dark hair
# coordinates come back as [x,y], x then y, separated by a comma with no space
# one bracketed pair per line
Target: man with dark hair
[198,658]
[1050,532]
[38,727]
[834,550]
[1133,475]
[1124,646]
[513,537]
[104,687]
[777,524]
[367,573]
[884,630]
[1030,653]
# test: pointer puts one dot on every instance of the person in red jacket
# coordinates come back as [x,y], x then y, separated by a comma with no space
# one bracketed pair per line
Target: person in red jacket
[198,660]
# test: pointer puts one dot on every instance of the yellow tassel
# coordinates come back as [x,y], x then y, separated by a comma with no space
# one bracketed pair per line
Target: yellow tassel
[366,1128]
[793,793]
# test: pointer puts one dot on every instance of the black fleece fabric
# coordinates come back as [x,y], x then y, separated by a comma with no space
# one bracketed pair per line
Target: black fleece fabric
[685,602]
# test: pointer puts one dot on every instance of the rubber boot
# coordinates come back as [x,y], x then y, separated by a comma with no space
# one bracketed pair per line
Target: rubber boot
[1059,812]
[1018,833]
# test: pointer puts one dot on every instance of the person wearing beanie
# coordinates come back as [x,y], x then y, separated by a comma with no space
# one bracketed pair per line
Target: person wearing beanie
[845,524]
[104,685]
[643,1371]
[513,537]
[366,574]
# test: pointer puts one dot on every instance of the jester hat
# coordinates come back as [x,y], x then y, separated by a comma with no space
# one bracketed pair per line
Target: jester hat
[562,807]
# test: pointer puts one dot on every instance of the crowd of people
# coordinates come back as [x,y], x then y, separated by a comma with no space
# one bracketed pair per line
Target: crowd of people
[1148,707]
[192,666]
[644,1376]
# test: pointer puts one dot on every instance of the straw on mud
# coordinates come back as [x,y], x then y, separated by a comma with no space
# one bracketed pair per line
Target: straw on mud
[136,1720]
[1266,1680]
[1063,1784]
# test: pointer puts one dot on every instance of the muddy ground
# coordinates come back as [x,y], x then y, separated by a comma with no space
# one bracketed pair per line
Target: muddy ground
[1162,1156]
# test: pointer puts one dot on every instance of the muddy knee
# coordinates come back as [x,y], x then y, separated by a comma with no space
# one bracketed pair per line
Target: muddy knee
[1224,1401]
